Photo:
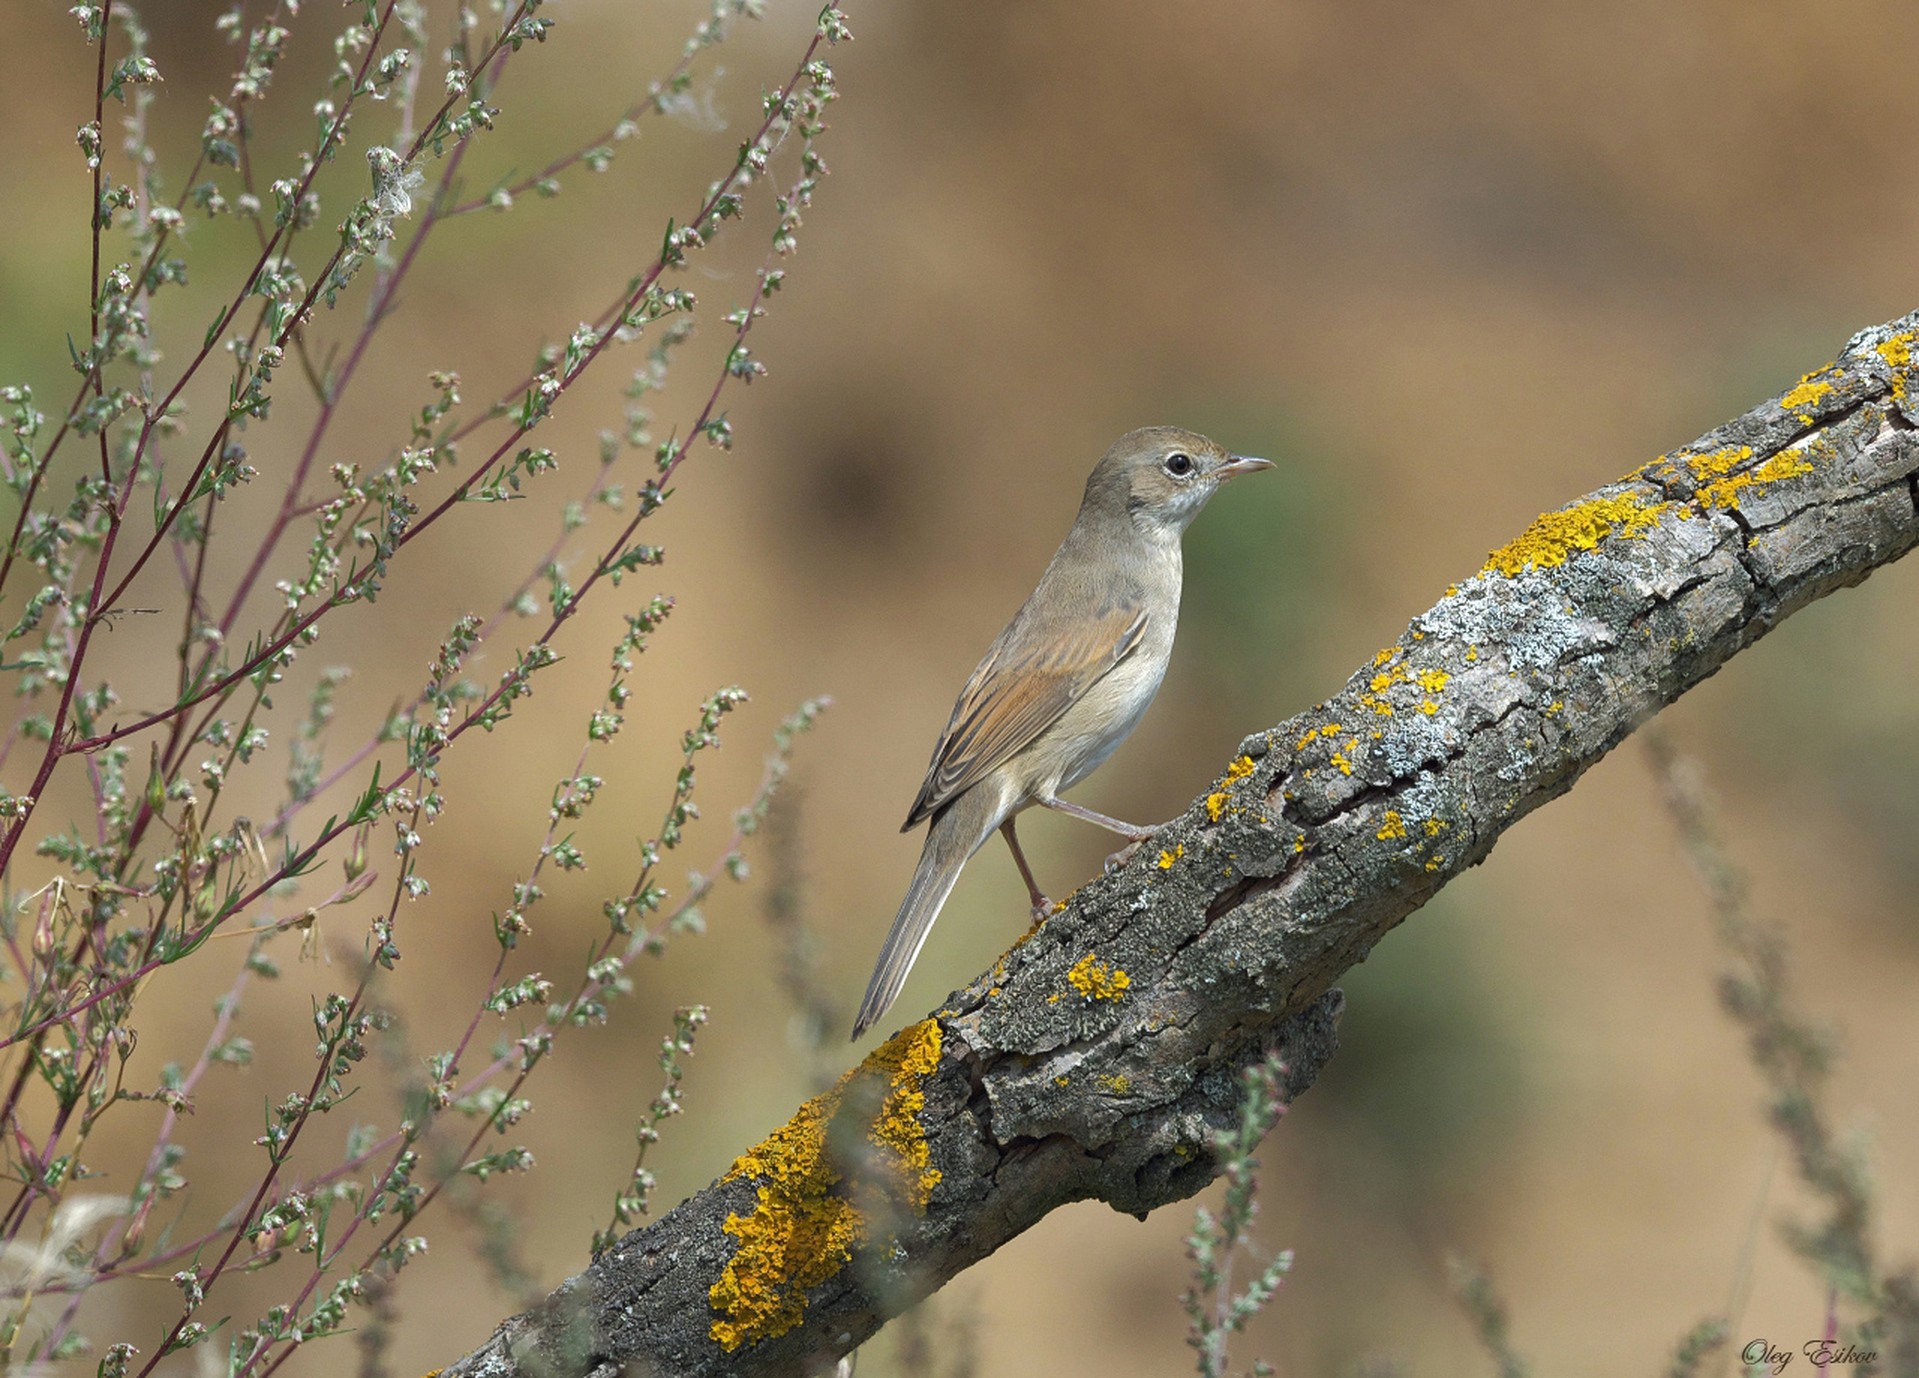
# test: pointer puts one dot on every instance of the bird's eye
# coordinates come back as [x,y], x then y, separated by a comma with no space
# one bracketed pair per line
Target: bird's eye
[1179,465]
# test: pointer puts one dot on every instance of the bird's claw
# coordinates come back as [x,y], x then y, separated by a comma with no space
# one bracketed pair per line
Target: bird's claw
[1124,855]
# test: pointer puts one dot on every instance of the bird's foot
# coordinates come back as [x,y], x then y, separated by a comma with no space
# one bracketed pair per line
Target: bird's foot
[1139,838]
[1124,854]
[1043,910]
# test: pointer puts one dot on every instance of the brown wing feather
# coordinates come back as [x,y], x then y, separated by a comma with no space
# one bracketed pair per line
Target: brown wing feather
[1008,702]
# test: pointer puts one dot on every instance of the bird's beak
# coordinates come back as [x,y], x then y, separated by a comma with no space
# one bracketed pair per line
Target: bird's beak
[1242,464]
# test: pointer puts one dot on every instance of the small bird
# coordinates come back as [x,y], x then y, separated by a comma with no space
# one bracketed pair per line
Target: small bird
[1071,675]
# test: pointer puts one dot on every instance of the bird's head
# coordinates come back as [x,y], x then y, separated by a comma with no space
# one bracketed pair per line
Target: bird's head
[1160,477]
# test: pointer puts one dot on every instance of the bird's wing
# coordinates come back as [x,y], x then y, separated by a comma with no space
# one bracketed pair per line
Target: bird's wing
[1014,696]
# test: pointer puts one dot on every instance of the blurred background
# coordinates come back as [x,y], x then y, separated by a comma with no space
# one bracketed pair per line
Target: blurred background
[1449,264]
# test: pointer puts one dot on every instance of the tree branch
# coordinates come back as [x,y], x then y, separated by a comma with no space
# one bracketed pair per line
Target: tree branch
[1099,1056]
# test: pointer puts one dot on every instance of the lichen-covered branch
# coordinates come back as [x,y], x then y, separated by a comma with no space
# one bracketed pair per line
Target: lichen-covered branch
[1099,1056]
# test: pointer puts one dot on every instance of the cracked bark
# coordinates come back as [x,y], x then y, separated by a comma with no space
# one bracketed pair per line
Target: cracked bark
[1233,923]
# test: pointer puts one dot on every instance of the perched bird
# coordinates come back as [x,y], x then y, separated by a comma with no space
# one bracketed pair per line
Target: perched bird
[1071,675]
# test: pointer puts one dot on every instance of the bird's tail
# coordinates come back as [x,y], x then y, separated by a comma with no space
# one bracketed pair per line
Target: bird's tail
[955,834]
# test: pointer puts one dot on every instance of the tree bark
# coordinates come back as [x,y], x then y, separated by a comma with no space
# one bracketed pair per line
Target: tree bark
[1098,1058]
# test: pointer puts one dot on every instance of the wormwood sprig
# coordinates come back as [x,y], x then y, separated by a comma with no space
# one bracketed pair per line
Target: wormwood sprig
[274,1220]
[1214,1311]
[1794,1058]
[795,946]
[1696,1346]
[174,417]
[267,665]
[633,1201]
[398,1191]
[796,107]
[664,97]
[1474,1292]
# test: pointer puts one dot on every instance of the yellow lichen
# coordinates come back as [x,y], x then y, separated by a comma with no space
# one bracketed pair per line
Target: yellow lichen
[1345,766]
[1719,463]
[1432,681]
[1554,537]
[1435,826]
[1118,1083]
[1095,980]
[1806,394]
[1166,859]
[1241,767]
[1428,707]
[1896,350]
[1472,653]
[1720,487]
[1385,655]
[803,1227]
[1394,827]
[1434,863]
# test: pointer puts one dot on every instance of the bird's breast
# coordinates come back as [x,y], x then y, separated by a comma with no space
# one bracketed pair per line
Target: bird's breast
[1092,729]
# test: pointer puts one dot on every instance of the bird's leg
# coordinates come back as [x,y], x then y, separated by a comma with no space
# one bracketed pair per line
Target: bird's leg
[1134,834]
[1130,831]
[1041,905]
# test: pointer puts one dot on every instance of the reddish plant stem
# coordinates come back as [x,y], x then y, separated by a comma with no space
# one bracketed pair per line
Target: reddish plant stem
[146,269]
[459,493]
[590,988]
[195,613]
[99,176]
[36,1161]
[297,319]
[117,511]
[372,744]
[112,1238]
[558,619]
[284,1151]
[334,132]
[572,605]
[291,504]
[589,985]
[55,748]
[52,754]
[649,106]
